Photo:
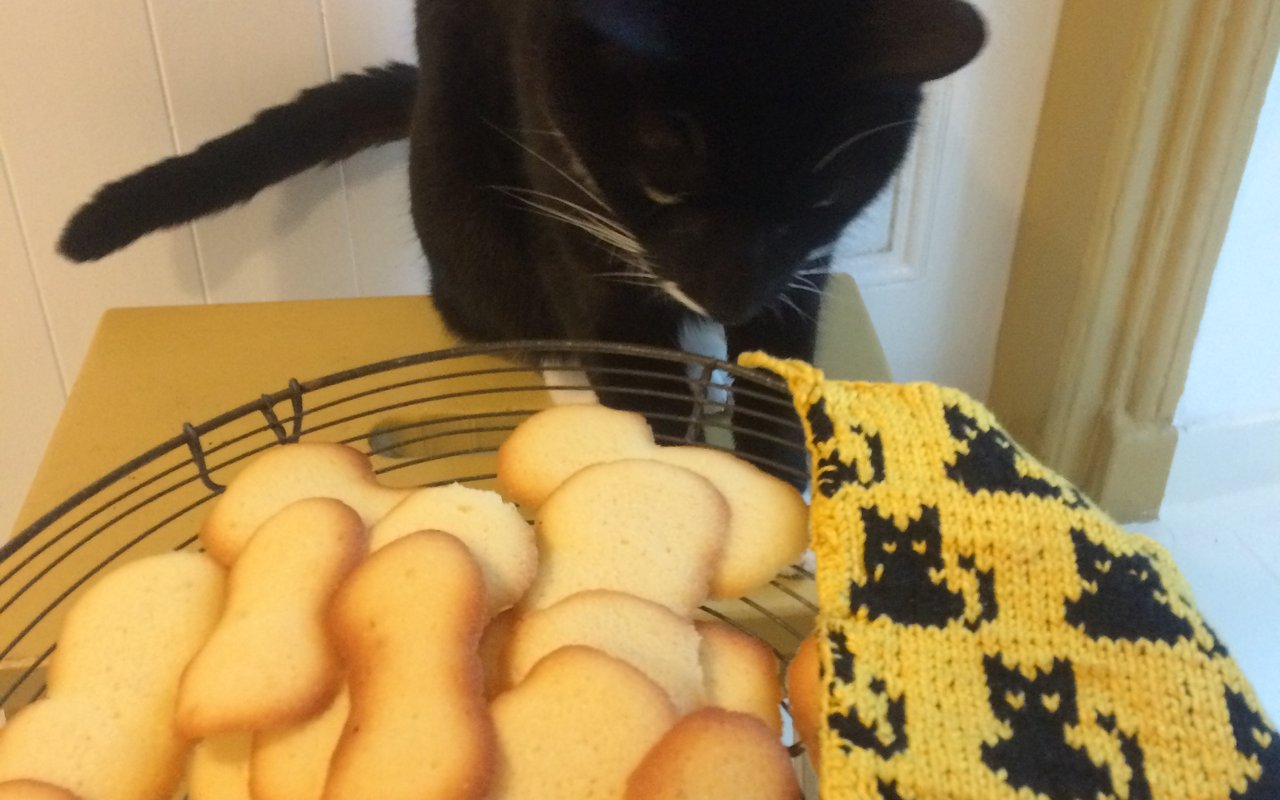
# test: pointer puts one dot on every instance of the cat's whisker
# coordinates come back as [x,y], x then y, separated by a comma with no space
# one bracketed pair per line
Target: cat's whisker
[551,164]
[797,308]
[814,271]
[607,235]
[808,283]
[835,152]
[595,215]
[811,289]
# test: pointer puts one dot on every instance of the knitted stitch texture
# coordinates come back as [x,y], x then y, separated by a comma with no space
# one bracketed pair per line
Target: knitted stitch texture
[986,632]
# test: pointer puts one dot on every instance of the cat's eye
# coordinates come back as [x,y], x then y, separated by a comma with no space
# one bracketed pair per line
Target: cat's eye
[661,198]
[920,547]
[890,547]
[672,133]
[1015,700]
[1051,701]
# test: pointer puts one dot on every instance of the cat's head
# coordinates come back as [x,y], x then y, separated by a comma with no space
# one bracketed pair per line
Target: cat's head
[919,543]
[733,141]
[1047,698]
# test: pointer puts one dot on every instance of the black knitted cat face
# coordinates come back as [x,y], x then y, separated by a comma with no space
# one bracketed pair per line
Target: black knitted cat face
[904,566]
[1036,754]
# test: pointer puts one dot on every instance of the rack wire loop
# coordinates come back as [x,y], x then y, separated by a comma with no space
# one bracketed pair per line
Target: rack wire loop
[197,457]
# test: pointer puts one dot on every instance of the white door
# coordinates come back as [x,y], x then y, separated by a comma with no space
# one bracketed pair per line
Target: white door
[932,255]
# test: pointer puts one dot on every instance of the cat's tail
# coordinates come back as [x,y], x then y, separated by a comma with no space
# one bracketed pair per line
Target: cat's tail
[324,124]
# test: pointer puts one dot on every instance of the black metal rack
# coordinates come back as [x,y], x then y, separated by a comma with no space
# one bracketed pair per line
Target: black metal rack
[427,419]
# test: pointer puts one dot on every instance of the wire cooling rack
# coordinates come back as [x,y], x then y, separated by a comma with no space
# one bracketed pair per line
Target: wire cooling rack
[428,419]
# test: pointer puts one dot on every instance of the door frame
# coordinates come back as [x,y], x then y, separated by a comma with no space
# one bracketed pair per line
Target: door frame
[1148,120]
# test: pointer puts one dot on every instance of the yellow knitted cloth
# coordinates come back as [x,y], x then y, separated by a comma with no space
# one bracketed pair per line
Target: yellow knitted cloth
[987,633]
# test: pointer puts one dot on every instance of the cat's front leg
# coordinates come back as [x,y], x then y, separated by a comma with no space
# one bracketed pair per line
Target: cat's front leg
[659,389]
[766,428]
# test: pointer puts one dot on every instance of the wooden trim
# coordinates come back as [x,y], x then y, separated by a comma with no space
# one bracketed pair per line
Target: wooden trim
[1148,121]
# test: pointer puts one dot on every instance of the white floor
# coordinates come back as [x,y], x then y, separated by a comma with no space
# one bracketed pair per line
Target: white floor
[1228,547]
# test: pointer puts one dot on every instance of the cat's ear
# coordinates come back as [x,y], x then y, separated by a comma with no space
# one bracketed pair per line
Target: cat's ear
[638,27]
[923,40]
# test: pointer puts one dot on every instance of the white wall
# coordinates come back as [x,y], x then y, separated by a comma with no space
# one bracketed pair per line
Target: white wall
[1229,415]
[93,89]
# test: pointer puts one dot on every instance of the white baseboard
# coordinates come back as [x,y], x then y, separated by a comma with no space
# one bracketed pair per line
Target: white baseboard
[1215,460]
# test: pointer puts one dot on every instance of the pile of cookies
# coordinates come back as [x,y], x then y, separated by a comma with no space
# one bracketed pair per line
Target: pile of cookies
[341,639]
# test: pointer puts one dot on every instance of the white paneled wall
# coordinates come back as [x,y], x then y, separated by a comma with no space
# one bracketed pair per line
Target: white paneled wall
[93,89]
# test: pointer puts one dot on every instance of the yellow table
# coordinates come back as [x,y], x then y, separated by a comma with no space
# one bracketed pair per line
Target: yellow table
[149,370]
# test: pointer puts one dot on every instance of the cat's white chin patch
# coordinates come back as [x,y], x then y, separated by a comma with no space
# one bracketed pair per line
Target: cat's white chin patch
[680,297]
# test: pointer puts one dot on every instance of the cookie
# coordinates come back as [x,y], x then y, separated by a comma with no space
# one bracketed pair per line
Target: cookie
[292,763]
[741,673]
[768,525]
[282,476]
[105,730]
[641,527]
[713,753]
[33,790]
[550,446]
[648,636]
[499,538]
[408,622]
[803,684]
[576,727]
[219,768]
[270,661]
[493,652]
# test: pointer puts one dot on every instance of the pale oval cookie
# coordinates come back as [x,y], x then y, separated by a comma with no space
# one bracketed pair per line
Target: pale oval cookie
[270,660]
[550,446]
[33,790]
[408,621]
[769,521]
[649,636]
[106,728]
[499,538]
[741,673]
[292,763]
[219,768]
[768,524]
[493,652]
[713,753]
[284,475]
[649,529]
[615,713]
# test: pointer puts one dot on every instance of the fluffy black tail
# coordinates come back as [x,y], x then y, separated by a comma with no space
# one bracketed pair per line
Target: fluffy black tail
[326,123]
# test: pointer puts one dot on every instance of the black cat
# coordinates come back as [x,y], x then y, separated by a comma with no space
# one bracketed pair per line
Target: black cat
[606,169]
[1120,597]
[1036,755]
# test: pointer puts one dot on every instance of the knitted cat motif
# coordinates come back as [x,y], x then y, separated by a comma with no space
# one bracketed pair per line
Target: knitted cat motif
[853,732]
[888,791]
[994,463]
[1256,740]
[1036,754]
[863,466]
[1123,597]
[905,575]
